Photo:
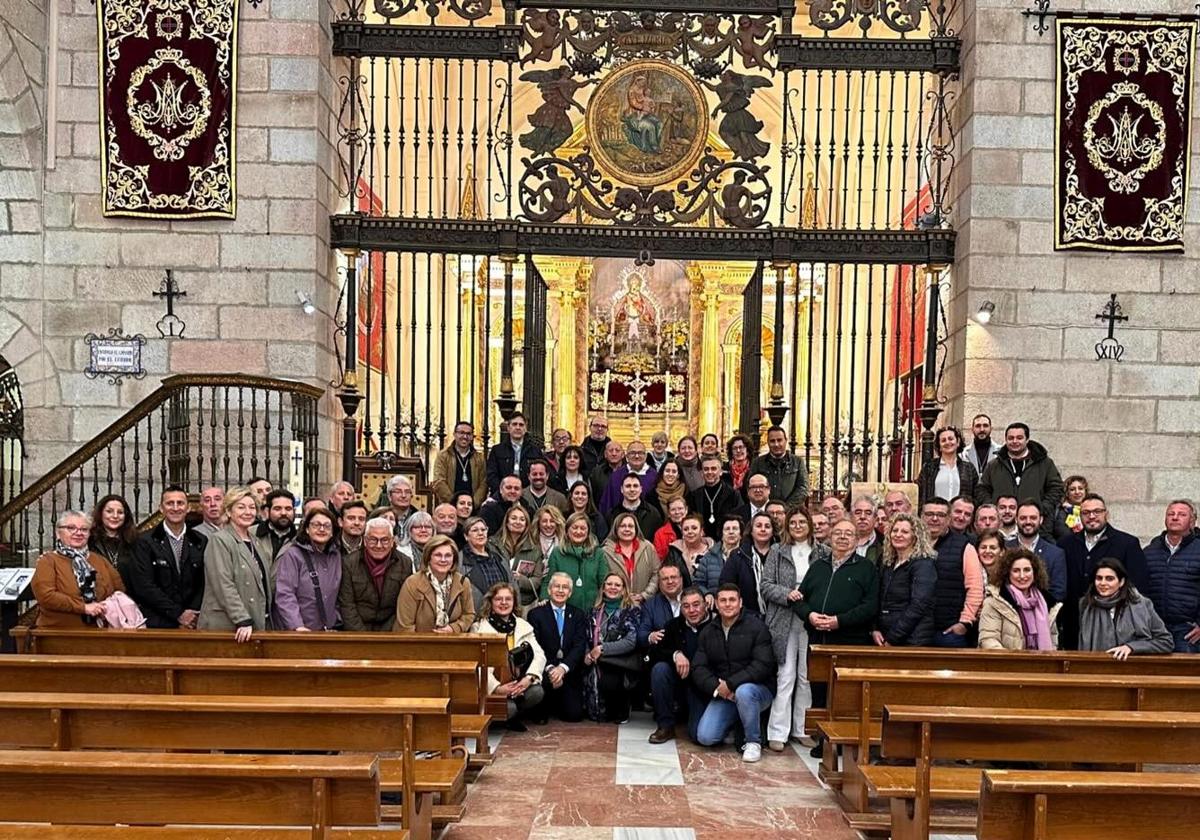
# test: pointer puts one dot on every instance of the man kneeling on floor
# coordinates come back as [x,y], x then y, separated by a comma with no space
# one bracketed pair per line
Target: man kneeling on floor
[672,651]
[735,666]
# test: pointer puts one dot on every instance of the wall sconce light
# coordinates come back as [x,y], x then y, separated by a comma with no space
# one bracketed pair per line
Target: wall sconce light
[306,303]
[986,310]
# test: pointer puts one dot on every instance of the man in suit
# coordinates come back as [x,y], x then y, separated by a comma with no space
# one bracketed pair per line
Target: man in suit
[512,456]
[671,658]
[758,494]
[165,575]
[1029,522]
[562,631]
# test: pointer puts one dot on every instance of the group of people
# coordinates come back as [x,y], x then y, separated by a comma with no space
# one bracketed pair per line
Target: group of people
[632,575]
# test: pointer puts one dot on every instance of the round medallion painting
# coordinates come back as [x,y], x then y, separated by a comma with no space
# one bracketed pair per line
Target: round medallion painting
[647,123]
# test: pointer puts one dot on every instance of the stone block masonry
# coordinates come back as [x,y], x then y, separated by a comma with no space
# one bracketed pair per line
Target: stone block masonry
[1119,423]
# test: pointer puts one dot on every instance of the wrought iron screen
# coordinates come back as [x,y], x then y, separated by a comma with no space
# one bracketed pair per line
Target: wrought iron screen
[478,140]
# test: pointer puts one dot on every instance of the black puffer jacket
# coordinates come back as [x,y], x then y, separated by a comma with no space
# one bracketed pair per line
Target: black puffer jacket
[745,656]
[906,602]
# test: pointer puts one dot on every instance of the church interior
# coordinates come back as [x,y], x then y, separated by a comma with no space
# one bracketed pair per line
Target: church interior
[305,305]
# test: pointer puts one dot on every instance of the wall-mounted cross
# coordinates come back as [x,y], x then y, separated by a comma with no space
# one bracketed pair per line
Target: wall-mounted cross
[1108,347]
[170,325]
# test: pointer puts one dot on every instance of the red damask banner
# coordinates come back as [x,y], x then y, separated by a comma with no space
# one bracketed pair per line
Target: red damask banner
[168,74]
[1124,111]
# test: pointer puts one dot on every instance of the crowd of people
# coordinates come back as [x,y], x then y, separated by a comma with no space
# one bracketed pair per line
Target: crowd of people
[691,581]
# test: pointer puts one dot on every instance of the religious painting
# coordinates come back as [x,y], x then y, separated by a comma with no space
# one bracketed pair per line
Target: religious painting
[167,101]
[638,339]
[1122,137]
[647,123]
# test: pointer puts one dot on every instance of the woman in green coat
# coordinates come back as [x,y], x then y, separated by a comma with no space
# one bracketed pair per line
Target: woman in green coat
[579,557]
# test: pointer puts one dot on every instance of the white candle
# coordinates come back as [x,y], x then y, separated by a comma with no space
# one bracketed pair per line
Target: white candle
[667,401]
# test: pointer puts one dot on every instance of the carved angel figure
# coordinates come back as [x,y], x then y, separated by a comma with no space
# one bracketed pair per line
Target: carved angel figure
[550,123]
[542,35]
[754,38]
[739,128]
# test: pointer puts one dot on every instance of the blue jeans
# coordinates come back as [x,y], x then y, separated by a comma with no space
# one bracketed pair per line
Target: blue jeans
[1181,644]
[950,640]
[669,692]
[719,717]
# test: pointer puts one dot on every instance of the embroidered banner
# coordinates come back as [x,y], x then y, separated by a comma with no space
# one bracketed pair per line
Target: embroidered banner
[167,99]
[1124,105]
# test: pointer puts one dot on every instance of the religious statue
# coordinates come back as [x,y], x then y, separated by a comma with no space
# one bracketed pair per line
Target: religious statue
[551,124]
[739,128]
[635,317]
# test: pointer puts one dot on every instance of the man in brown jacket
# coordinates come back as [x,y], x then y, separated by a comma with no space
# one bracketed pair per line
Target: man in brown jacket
[459,468]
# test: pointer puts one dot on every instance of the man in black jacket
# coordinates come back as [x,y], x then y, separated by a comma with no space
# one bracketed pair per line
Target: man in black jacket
[714,499]
[1096,542]
[671,659]
[735,666]
[562,632]
[165,575]
[513,455]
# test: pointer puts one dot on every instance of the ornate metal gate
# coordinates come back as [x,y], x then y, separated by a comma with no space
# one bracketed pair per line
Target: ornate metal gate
[478,141]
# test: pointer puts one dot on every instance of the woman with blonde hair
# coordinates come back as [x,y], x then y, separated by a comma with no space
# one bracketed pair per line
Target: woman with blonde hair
[613,653]
[526,660]
[908,580]
[631,556]
[580,559]
[238,592]
[438,598]
[518,545]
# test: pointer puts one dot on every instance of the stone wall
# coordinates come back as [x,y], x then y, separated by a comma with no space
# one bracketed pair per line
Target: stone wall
[66,270]
[1130,427]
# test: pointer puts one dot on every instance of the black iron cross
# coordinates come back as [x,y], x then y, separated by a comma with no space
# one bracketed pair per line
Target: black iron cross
[297,460]
[1108,347]
[170,322]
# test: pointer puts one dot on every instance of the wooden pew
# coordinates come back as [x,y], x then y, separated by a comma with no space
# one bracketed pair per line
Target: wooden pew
[925,734]
[109,788]
[484,650]
[823,660]
[163,722]
[1053,805]
[862,694]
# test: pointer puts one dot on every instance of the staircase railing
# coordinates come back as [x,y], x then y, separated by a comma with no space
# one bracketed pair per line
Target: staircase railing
[194,430]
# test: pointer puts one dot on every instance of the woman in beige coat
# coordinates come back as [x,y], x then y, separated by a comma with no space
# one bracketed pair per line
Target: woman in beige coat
[237,582]
[436,599]
[71,581]
[631,556]
[1020,612]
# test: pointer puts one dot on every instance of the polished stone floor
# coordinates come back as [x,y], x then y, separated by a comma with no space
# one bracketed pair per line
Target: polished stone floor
[591,781]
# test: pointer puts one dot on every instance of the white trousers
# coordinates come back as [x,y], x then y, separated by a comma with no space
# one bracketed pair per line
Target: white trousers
[793,694]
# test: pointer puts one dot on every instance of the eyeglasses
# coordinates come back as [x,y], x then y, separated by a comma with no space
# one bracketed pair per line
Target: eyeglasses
[73,529]
[319,526]
[1092,512]
[377,540]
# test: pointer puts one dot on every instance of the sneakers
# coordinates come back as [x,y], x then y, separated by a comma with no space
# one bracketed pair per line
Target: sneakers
[661,735]
[776,746]
[751,752]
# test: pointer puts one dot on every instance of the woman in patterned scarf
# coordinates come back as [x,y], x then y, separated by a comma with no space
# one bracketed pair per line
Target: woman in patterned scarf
[436,599]
[71,581]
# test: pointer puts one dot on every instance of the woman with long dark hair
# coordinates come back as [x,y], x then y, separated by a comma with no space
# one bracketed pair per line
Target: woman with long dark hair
[1021,612]
[113,531]
[1117,619]
[308,576]
[579,500]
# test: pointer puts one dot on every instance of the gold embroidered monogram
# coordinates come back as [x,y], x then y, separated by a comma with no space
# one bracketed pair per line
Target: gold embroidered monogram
[175,105]
[1122,138]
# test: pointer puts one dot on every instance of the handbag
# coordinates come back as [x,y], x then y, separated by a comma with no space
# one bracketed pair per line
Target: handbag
[519,660]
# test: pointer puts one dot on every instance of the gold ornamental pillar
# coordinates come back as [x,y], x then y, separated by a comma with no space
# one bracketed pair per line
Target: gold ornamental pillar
[570,291]
[708,291]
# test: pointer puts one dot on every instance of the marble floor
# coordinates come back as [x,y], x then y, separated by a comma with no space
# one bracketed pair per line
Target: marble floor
[591,781]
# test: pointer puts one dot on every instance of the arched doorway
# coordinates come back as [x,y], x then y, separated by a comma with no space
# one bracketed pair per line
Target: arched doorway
[12,433]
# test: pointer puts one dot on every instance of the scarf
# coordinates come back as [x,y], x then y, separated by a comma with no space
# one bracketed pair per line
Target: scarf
[441,593]
[80,565]
[1098,622]
[1034,617]
[504,625]
[666,494]
[377,569]
[611,606]
[689,472]
[737,472]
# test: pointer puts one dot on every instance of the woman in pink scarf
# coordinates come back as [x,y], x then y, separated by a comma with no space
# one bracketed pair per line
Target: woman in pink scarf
[1021,613]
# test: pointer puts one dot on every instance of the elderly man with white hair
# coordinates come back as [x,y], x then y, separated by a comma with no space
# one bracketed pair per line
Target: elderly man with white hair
[399,489]
[340,493]
[371,580]
[562,631]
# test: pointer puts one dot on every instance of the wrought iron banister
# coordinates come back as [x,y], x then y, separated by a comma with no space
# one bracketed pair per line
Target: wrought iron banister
[211,429]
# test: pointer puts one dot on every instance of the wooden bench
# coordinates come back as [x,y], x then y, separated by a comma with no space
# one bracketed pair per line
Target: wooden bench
[824,660]
[44,831]
[114,788]
[925,734]
[862,694]
[484,650]
[163,722]
[1052,805]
